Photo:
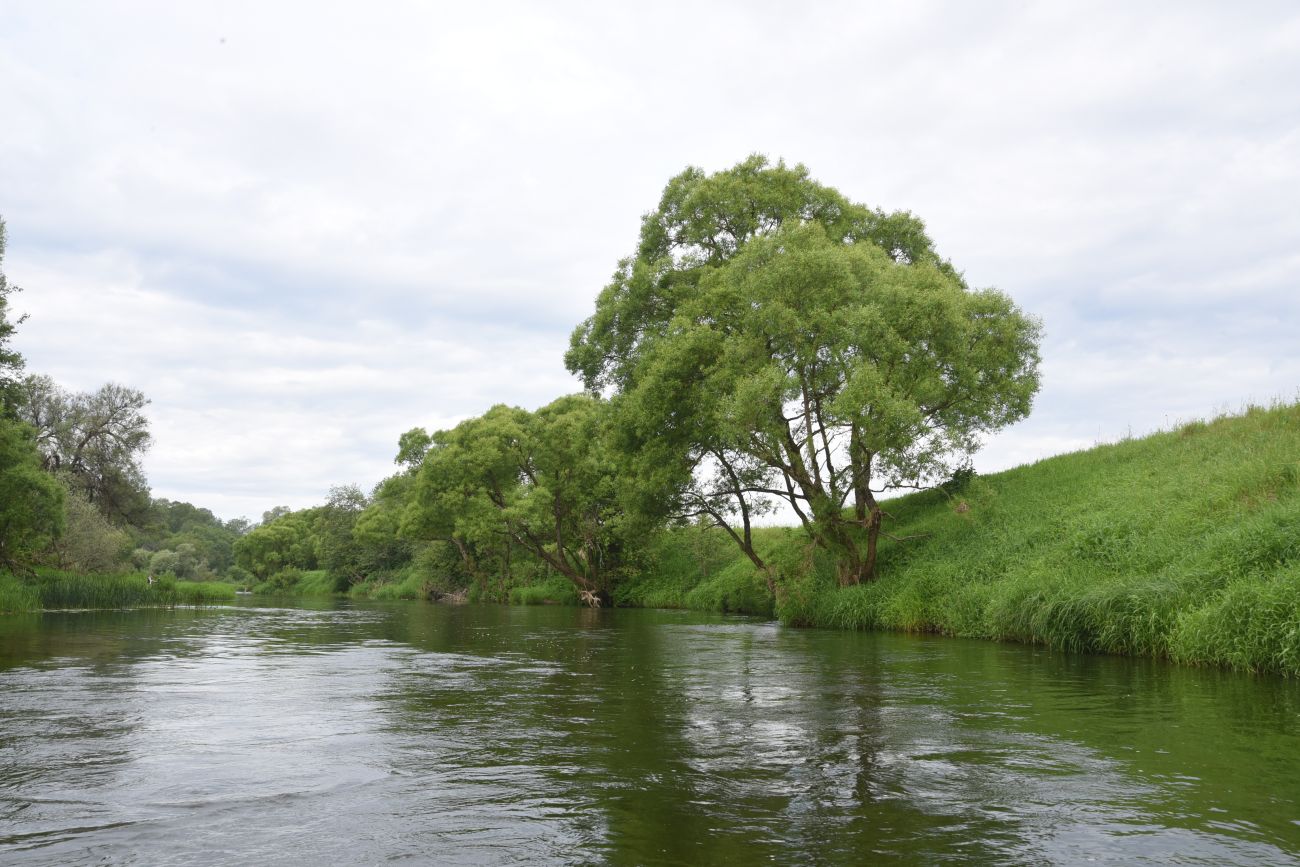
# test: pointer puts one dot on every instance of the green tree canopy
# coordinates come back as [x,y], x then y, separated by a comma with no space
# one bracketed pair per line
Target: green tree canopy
[540,480]
[411,448]
[171,524]
[288,541]
[89,542]
[377,531]
[701,223]
[339,551]
[772,342]
[96,440]
[31,501]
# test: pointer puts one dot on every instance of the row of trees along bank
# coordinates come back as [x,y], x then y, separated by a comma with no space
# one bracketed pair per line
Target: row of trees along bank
[770,345]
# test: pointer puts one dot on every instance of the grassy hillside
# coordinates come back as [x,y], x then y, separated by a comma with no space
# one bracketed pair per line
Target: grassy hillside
[1184,544]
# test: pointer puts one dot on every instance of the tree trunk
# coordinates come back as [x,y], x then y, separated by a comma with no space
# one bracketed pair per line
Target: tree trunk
[466,558]
[873,537]
[855,567]
[504,580]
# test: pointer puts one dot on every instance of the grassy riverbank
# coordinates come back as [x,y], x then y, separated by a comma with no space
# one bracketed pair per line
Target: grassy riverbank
[1184,545]
[51,589]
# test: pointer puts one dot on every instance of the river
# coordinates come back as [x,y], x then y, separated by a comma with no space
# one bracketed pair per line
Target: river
[364,734]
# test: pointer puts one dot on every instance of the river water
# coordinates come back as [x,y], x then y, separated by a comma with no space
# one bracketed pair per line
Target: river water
[364,734]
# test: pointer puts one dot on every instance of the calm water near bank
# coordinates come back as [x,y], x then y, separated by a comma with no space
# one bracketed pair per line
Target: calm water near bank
[489,735]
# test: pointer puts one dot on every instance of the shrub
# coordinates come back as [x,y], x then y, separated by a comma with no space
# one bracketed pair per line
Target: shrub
[164,563]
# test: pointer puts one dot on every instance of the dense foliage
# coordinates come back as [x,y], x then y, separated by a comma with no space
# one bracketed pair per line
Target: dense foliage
[94,441]
[541,481]
[31,503]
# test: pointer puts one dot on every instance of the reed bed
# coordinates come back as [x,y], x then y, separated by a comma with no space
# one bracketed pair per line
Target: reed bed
[54,590]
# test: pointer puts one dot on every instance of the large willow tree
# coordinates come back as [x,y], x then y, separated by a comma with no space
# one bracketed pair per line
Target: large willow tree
[772,342]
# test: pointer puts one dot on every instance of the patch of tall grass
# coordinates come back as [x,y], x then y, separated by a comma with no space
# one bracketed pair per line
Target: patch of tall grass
[76,590]
[738,588]
[408,586]
[700,568]
[52,589]
[17,596]
[1253,624]
[298,582]
[557,590]
[204,592]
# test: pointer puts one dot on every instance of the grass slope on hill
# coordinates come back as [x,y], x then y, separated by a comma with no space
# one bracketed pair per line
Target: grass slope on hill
[1183,544]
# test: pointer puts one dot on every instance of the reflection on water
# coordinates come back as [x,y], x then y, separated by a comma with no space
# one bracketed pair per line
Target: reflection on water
[547,735]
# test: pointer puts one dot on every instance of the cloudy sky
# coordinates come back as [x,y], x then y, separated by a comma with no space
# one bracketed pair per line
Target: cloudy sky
[303,228]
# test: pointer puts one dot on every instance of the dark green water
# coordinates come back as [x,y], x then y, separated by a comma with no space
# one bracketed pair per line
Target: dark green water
[427,734]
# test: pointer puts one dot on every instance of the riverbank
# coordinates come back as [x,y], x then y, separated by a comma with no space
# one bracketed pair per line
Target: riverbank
[1182,545]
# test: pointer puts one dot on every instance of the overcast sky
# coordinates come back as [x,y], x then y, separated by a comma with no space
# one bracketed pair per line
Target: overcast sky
[303,228]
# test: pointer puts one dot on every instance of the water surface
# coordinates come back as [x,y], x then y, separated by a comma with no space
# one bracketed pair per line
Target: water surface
[495,735]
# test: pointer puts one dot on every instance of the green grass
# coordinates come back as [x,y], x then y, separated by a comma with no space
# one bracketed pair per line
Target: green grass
[403,585]
[558,590]
[51,589]
[407,588]
[17,596]
[694,567]
[204,592]
[1183,545]
[297,582]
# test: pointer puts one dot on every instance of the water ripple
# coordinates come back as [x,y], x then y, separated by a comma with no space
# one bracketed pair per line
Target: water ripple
[495,735]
